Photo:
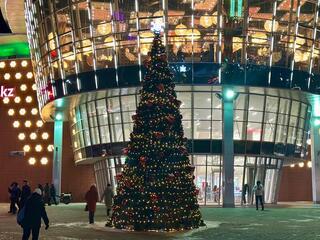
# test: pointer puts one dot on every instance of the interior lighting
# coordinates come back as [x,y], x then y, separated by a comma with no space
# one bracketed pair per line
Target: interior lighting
[34,111]
[309,164]
[24,63]
[301,164]
[32,161]
[44,161]
[292,165]
[45,135]
[38,148]
[33,136]
[29,75]
[2,64]
[26,148]
[21,136]
[17,99]
[309,141]
[28,99]
[6,76]
[181,30]
[16,124]
[23,87]
[6,100]
[22,111]
[268,26]
[18,75]
[193,34]
[28,123]
[39,123]
[206,20]
[13,64]
[11,112]
[104,28]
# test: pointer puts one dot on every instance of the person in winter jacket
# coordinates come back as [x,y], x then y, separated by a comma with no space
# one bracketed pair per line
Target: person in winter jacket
[25,194]
[91,199]
[47,195]
[258,191]
[53,194]
[33,212]
[15,193]
[107,196]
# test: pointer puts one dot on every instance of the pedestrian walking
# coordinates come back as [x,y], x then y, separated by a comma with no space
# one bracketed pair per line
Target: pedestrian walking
[245,191]
[91,199]
[15,193]
[25,194]
[215,191]
[258,191]
[47,194]
[107,196]
[33,212]
[42,190]
[53,194]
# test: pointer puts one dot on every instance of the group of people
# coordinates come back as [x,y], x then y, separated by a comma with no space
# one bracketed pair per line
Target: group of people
[19,196]
[30,207]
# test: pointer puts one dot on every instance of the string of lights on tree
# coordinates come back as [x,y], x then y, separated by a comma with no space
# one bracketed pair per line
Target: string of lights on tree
[155,191]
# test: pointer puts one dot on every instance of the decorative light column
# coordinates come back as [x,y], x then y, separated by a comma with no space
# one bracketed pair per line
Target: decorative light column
[57,154]
[228,96]
[315,158]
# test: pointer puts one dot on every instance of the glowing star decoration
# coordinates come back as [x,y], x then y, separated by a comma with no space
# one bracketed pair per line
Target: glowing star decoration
[16,124]
[34,111]
[157,26]
[45,136]
[24,63]
[23,87]
[11,112]
[33,136]
[6,76]
[17,99]
[21,136]
[13,64]
[18,76]
[2,64]
[183,68]
[38,148]
[29,75]
[26,148]
[6,100]
[22,111]
[27,123]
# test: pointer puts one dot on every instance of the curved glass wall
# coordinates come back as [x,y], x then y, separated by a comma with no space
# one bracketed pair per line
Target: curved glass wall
[208,176]
[71,37]
[281,121]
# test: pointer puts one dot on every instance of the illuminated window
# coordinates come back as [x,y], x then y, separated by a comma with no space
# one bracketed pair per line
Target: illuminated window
[26,148]
[6,76]
[29,75]
[44,161]
[18,75]
[23,87]
[22,111]
[6,100]
[2,64]
[45,136]
[34,87]
[34,111]
[21,136]
[16,124]
[28,99]
[11,112]
[38,148]
[17,99]
[24,63]
[27,124]
[39,123]
[32,161]
[50,148]
[13,64]
[33,136]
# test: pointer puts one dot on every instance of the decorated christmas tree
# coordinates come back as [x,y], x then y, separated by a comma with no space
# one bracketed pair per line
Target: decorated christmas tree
[156,190]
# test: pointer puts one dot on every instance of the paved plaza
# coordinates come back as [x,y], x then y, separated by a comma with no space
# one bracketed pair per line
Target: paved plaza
[69,222]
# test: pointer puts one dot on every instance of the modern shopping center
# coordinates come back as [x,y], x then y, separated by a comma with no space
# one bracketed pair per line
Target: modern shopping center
[88,62]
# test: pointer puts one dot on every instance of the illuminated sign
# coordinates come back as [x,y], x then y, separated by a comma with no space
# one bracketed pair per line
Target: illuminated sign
[6,92]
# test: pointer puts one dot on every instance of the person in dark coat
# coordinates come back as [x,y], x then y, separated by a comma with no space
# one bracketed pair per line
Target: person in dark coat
[25,193]
[42,190]
[92,199]
[15,193]
[47,195]
[53,193]
[107,196]
[34,211]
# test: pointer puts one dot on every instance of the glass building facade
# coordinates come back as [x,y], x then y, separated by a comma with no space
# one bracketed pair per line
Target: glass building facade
[88,58]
